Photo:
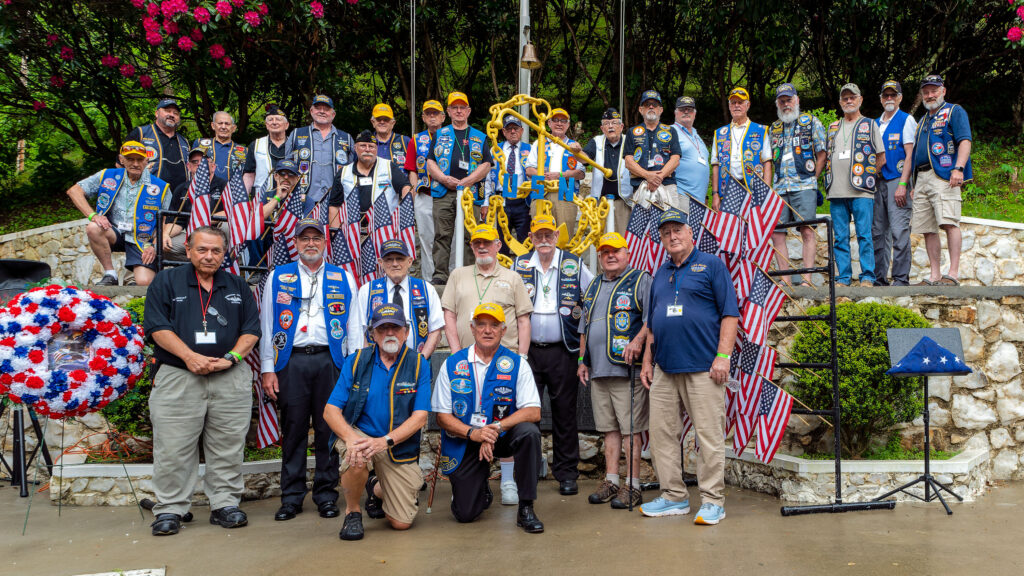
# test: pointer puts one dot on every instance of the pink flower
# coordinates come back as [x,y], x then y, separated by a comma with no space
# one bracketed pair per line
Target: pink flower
[263,9]
[226,62]
[51,39]
[145,81]
[202,15]
[223,8]
[170,26]
[217,51]
[127,70]
[351,1]
[153,9]
[185,43]
[171,7]
[66,53]
[110,61]
[1020,11]
[150,25]
[154,38]
[316,9]
[196,34]
[1014,34]
[138,3]
[238,3]
[38,105]
[253,18]
[57,81]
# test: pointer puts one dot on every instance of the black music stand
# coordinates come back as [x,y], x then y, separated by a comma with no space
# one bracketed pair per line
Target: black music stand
[925,352]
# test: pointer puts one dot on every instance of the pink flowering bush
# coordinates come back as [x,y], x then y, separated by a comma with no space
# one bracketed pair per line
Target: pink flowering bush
[38,105]
[316,9]
[127,70]
[223,8]
[253,18]
[110,61]
[202,15]
[146,81]
[185,43]
[1014,34]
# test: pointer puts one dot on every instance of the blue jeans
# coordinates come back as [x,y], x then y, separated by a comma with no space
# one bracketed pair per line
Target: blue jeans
[862,210]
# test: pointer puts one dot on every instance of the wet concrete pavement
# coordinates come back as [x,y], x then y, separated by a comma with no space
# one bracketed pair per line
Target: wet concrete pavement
[983,537]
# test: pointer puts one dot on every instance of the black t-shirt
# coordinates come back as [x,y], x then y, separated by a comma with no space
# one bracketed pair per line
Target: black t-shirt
[180,198]
[172,168]
[610,161]
[399,180]
[276,153]
[173,303]
[460,153]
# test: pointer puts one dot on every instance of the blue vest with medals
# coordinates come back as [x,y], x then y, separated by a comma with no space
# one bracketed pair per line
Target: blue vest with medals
[423,144]
[753,140]
[895,155]
[942,148]
[303,151]
[378,296]
[402,395]
[287,289]
[394,149]
[569,295]
[623,316]
[147,203]
[510,184]
[151,141]
[800,145]
[497,397]
[863,173]
[444,145]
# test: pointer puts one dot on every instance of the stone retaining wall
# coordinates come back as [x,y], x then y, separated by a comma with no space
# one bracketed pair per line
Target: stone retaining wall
[64,247]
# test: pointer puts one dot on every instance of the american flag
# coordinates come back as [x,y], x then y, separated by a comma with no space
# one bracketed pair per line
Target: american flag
[700,219]
[765,209]
[745,405]
[284,229]
[708,244]
[350,218]
[762,307]
[772,416]
[367,261]
[383,225]
[405,215]
[742,272]
[637,236]
[756,361]
[687,426]
[341,256]
[268,430]
[245,218]
[728,223]
[656,252]
[761,256]
[199,194]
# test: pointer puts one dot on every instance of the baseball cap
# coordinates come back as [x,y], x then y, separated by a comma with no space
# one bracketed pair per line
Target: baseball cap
[432,105]
[323,99]
[286,165]
[166,102]
[202,146]
[510,120]
[650,95]
[458,97]
[932,80]
[387,314]
[559,112]
[739,92]
[611,114]
[612,240]
[309,223]
[365,136]
[489,309]
[542,222]
[273,110]
[484,232]
[850,87]
[383,110]
[672,215]
[893,85]
[132,147]
[685,102]
[393,246]
[785,89]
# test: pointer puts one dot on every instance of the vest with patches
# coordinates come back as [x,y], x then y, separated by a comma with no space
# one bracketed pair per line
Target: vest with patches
[147,204]
[444,146]
[418,304]
[394,149]
[303,151]
[155,150]
[623,315]
[892,138]
[567,187]
[569,296]
[381,181]
[753,140]
[423,145]
[287,293]
[800,145]
[863,173]
[942,147]
[653,154]
[625,190]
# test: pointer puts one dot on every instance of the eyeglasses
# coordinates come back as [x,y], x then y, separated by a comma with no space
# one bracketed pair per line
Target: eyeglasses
[310,239]
[890,96]
[559,120]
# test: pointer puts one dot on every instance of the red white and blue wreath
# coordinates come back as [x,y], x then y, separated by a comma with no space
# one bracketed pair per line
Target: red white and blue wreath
[32,319]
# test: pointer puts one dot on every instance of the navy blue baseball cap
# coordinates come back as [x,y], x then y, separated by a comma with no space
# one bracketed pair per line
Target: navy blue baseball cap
[366,137]
[650,95]
[286,165]
[786,89]
[511,120]
[166,102]
[393,246]
[387,314]
[932,80]
[686,102]
[306,223]
[672,215]
[323,99]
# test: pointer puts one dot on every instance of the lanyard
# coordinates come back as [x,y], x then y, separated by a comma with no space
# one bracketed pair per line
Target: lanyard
[692,139]
[675,282]
[203,307]
[458,142]
[479,296]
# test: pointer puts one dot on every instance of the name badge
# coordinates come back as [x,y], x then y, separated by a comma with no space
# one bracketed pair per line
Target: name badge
[674,310]
[125,227]
[365,181]
[478,419]
[843,155]
[702,161]
[650,163]
[787,157]
[463,164]
[206,337]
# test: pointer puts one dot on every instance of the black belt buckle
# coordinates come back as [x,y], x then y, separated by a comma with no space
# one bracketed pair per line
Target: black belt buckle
[923,168]
[314,349]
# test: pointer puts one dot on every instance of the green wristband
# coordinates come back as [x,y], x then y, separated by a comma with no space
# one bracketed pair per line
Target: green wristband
[277,198]
[236,355]
[720,355]
[903,183]
[91,216]
[580,360]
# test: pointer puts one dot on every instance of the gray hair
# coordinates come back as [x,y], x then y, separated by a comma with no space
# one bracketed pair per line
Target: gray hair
[214,117]
[212,230]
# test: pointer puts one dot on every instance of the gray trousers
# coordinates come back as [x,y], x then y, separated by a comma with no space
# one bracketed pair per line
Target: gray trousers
[185,407]
[890,232]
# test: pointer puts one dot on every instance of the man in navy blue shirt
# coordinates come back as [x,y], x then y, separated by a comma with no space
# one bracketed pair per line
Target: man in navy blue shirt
[377,410]
[692,317]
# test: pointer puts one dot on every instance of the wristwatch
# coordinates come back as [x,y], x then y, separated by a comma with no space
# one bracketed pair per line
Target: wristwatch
[389,440]
[960,168]
[470,431]
[231,358]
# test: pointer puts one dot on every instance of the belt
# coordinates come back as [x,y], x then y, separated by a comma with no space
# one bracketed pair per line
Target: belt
[311,349]
[923,168]
[544,344]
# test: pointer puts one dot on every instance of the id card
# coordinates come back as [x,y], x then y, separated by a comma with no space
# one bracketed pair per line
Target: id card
[365,181]
[125,227]
[843,155]
[206,337]
[787,157]
[651,163]
[463,164]
[478,419]
[702,161]
[674,310]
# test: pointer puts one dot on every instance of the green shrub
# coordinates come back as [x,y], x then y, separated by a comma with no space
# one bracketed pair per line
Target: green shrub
[871,401]
[130,413]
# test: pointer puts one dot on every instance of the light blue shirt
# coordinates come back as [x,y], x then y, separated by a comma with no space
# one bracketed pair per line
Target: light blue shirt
[694,170]
[120,214]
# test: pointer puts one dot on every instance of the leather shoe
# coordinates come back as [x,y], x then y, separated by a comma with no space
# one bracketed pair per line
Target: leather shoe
[488,496]
[287,512]
[229,517]
[328,510]
[528,521]
[353,527]
[568,488]
[166,524]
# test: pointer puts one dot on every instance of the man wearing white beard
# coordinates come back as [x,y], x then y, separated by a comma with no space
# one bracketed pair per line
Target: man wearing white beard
[798,156]
[310,329]
[652,148]
[376,412]
[893,207]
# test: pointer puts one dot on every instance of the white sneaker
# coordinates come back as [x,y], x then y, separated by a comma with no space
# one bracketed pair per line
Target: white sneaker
[509,493]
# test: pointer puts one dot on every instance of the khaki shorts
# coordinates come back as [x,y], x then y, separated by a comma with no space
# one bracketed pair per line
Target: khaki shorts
[935,204]
[610,399]
[399,483]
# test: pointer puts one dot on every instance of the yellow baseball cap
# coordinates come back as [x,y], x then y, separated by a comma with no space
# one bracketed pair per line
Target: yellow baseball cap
[133,147]
[383,110]
[489,309]
[612,240]
[433,105]
[484,232]
[543,222]
[740,93]
[559,112]
[457,97]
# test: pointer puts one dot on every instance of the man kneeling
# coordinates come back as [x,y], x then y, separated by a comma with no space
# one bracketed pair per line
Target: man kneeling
[377,410]
[488,407]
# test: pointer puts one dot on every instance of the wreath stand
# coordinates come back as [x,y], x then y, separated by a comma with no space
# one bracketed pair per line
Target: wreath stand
[19,465]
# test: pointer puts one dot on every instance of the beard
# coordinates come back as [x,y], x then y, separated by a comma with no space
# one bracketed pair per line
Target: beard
[651,116]
[890,107]
[391,345]
[790,116]
[310,257]
[485,260]
[169,122]
[850,110]
[935,105]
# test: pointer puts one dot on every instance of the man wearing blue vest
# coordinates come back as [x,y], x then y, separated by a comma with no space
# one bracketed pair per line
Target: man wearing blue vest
[416,166]
[487,404]
[852,172]
[310,328]
[459,159]
[228,155]
[890,230]
[694,168]
[166,149]
[264,153]
[942,164]
[560,165]
[516,153]
[127,201]
[741,148]
[417,299]
[798,156]
[390,146]
[691,319]
[608,150]
[652,148]
[377,409]
[320,150]
[555,280]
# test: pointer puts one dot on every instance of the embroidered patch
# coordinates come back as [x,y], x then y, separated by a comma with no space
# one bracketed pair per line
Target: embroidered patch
[462,368]
[503,390]
[459,407]
[462,386]
[284,298]
[335,276]
[622,302]
[622,321]
[336,308]
[638,131]
[570,268]
[505,364]
[288,278]
[285,319]
[279,340]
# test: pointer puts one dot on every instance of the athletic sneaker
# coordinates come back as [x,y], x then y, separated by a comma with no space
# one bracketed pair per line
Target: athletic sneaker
[662,507]
[709,514]
[509,493]
[107,280]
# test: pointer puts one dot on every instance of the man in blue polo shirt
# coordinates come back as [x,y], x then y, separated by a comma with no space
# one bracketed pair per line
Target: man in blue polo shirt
[692,318]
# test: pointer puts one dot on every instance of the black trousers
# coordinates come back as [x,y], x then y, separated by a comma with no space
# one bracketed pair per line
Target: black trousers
[470,478]
[554,368]
[518,213]
[305,385]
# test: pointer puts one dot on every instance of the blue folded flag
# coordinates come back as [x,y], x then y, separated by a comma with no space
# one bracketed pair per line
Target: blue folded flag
[927,357]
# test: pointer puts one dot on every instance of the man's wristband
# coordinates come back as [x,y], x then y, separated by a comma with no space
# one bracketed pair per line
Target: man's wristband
[238,357]
[579,360]
[276,197]
[470,431]
[91,216]
[903,183]
[720,355]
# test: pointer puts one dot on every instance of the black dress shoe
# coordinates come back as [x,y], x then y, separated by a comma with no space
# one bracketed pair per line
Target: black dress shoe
[528,521]
[374,505]
[488,496]
[166,524]
[228,517]
[328,510]
[353,527]
[287,512]
[568,488]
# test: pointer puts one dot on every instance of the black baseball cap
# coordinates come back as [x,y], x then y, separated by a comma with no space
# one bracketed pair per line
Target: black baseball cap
[166,103]
[365,136]
[891,84]
[306,223]
[387,314]
[686,102]
[932,80]
[611,114]
[286,165]
[511,120]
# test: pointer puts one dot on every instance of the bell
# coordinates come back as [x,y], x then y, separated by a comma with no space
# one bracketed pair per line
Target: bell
[529,60]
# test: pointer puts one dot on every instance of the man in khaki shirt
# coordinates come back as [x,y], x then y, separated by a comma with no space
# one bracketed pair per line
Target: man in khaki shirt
[486,281]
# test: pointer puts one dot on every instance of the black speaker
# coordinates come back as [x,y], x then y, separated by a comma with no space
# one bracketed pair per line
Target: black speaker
[16,274]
